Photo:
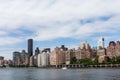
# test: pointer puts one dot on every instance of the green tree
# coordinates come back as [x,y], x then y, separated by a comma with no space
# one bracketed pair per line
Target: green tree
[73,60]
[113,60]
[118,60]
[86,61]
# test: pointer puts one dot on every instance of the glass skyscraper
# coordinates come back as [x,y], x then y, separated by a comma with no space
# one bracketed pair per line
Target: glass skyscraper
[30,47]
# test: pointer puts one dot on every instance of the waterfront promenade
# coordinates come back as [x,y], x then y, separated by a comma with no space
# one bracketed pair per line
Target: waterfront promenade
[76,66]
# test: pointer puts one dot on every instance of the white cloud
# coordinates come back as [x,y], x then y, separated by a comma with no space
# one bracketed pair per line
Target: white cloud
[9,41]
[2,33]
[15,14]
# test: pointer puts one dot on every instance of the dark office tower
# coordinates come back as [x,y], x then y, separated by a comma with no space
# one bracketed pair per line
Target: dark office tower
[30,47]
[37,51]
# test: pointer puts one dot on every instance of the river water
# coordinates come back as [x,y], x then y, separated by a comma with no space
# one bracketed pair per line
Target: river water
[58,74]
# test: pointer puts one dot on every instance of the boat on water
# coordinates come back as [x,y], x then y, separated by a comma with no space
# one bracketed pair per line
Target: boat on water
[64,68]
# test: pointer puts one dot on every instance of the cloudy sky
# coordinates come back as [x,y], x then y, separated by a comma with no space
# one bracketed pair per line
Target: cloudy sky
[52,23]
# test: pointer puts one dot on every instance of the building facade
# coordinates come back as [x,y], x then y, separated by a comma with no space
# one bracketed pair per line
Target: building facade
[111,51]
[1,61]
[43,58]
[20,58]
[57,56]
[16,58]
[84,51]
[31,64]
[101,52]
[117,48]
[69,55]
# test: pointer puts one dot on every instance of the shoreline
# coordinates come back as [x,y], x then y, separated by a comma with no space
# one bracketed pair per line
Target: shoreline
[57,68]
[71,66]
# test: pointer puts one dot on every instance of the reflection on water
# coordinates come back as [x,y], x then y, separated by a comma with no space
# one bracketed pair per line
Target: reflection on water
[58,74]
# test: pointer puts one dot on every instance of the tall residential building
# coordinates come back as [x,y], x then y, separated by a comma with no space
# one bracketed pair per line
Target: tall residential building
[84,51]
[57,56]
[44,58]
[69,55]
[30,47]
[20,58]
[101,42]
[24,57]
[16,58]
[111,51]
[117,48]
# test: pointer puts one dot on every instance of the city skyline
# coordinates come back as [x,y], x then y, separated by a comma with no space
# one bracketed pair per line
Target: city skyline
[53,23]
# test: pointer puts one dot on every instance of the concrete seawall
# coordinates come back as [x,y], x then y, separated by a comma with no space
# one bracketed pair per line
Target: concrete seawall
[75,66]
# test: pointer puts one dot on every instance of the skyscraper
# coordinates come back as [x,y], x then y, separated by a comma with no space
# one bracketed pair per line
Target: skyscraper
[30,47]
[101,42]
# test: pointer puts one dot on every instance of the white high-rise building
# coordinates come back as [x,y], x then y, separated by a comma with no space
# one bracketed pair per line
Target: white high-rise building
[101,42]
[43,59]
